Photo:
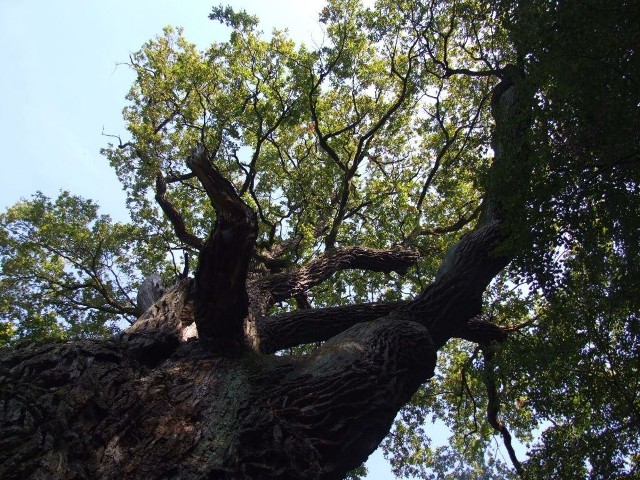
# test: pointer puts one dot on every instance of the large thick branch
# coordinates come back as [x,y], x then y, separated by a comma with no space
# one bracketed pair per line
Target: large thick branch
[455,296]
[220,297]
[348,392]
[224,198]
[320,324]
[281,286]
[316,324]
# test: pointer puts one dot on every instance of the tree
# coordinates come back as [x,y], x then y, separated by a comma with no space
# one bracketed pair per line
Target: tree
[428,181]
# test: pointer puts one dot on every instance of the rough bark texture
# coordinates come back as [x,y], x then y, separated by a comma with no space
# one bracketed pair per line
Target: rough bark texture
[110,410]
[221,303]
[190,391]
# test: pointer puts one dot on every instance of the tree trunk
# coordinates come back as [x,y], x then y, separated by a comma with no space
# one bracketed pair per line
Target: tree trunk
[162,401]
[136,407]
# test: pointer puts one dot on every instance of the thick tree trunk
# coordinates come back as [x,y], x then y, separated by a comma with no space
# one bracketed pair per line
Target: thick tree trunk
[162,401]
[155,402]
[129,407]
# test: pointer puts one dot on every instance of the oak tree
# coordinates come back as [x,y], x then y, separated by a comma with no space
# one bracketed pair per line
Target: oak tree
[431,215]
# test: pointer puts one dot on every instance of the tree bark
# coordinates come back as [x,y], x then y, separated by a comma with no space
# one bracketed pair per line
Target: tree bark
[124,408]
[164,401]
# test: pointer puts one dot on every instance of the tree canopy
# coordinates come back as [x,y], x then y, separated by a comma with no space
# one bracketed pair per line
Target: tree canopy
[357,164]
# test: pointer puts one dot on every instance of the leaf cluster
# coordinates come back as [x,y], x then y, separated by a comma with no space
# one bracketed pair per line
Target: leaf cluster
[66,270]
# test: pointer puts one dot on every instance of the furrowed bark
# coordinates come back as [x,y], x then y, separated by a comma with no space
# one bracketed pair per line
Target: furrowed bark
[196,414]
[282,286]
[287,330]
[316,324]
[349,391]
[455,296]
[220,294]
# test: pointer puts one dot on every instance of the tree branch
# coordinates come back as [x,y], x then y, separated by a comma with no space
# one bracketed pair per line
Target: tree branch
[220,296]
[174,216]
[285,285]
[448,72]
[454,227]
[455,296]
[482,332]
[493,407]
[316,325]
[179,177]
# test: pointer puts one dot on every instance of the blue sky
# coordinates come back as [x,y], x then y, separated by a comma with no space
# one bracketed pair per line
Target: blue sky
[64,84]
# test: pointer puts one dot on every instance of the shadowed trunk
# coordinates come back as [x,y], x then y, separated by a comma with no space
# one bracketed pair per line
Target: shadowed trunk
[192,390]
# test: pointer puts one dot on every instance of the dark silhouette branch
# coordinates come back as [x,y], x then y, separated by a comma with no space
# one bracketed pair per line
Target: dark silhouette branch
[448,72]
[174,216]
[179,177]
[283,286]
[493,407]
[481,332]
[108,304]
[454,227]
[220,297]
[363,145]
[316,325]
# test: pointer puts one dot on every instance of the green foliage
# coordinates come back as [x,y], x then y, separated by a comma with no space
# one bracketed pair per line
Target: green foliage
[330,147]
[357,474]
[66,270]
[586,377]
[381,137]
[576,370]
[584,75]
[453,402]
[238,20]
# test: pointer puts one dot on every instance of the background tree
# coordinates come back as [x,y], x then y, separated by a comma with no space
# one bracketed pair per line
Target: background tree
[362,194]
